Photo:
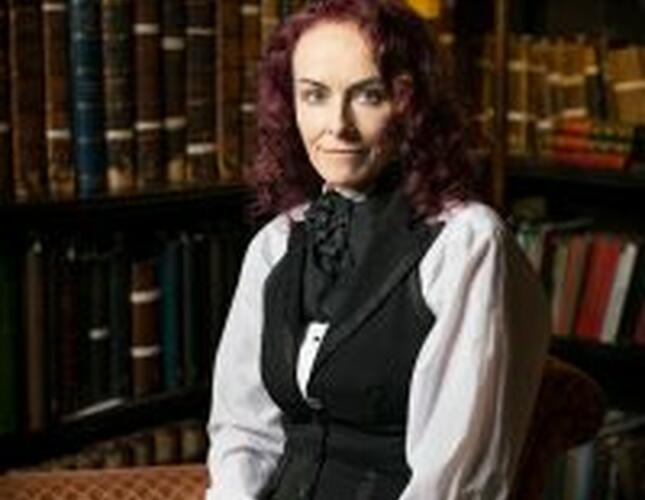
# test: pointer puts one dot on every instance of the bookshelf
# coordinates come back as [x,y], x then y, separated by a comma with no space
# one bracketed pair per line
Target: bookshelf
[124,128]
[608,195]
[197,199]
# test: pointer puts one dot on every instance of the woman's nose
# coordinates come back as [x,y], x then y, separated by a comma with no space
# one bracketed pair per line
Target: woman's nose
[341,122]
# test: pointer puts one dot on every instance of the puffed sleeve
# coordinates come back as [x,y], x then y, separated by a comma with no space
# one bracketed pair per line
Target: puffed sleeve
[476,377]
[244,429]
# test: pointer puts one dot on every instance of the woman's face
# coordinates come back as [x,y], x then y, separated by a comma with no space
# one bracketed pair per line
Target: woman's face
[342,107]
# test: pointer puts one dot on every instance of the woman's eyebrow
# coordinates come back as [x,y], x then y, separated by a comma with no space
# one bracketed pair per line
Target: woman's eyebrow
[366,82]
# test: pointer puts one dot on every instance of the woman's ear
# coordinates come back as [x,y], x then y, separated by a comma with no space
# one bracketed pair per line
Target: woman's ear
[403,93]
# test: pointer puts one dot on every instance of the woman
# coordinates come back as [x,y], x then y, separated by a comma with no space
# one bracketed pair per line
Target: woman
[387,337]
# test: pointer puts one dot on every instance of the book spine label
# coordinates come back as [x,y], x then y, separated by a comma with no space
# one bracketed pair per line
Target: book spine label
[87,95]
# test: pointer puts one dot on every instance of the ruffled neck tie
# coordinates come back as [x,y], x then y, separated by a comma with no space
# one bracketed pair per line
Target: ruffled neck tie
[328,221]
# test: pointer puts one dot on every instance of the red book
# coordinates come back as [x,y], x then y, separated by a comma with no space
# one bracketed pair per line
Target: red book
[601,268]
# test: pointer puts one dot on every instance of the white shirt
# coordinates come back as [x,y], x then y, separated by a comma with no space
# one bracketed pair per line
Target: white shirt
[473,384]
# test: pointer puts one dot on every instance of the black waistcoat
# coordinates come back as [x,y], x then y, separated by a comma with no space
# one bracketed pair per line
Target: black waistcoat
[350,446]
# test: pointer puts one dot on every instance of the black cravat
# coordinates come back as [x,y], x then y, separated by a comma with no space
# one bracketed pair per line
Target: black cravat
[328,221]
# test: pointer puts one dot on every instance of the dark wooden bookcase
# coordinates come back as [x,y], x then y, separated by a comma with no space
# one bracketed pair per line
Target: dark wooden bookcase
[612,200]
[142,214]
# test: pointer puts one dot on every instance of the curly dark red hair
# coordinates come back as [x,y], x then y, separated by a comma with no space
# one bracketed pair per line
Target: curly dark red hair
[431,131]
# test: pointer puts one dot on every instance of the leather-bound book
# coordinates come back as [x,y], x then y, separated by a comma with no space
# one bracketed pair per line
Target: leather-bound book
[201,147]
[193,441]
[27,98]
[119,320]
[68,331]
[35,338]
[145,349]
[97,328]
[149,110]
[6,185]
[251,49]
[171,318]
[173,44]
[229,84]
[196,309]
[518,93]
[87,96]
[9,320]
[118,94]
[166,445]
[58,134]
[269,18]
[626,67]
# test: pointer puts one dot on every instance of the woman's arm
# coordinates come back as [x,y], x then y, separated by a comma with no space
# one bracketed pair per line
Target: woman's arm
[246,436]
[477,375]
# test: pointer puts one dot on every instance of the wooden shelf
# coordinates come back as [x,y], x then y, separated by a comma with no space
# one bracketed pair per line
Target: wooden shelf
[533,170]
[150,208]
[617,368]
[74,433]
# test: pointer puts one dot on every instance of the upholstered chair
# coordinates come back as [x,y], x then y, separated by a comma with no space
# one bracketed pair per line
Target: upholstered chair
[569,411]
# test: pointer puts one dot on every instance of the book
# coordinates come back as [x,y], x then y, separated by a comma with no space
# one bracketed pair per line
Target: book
[201,147]
[87,96]
[119,319]
[173,46]
[97,327]
[34,361]
[148,93]
[145,348]
[251,48]
[118,94]
[618,294]
[27,99]
[58,126]
[229,84]
[170,279]
[68,330]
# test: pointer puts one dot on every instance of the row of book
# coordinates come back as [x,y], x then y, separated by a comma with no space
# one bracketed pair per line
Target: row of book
[87,324]
[554,80]
[611,467]
[596,280]
[175,443]
[116,95]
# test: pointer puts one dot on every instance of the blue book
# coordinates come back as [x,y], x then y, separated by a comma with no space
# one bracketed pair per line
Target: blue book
[87,95]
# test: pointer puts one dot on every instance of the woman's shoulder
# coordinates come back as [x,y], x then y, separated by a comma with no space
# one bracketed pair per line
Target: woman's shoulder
[470,222]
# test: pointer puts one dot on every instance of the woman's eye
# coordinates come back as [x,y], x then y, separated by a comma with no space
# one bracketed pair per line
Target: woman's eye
[312,96]
[372,96]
